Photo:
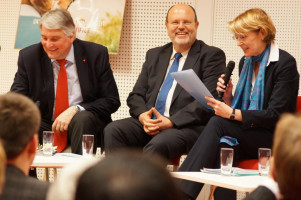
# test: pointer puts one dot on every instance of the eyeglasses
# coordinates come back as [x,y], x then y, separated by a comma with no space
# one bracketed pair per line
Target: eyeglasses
[239,37]
[177,23]
[243,36]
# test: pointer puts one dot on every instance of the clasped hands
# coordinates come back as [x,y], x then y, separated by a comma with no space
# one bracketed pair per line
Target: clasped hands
[62,122]
[154,126]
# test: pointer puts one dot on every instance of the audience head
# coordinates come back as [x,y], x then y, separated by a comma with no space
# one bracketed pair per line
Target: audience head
[2,166]
[19,123]
[253,20]
[287,156]
[127,176]
[57,33]
[181,23]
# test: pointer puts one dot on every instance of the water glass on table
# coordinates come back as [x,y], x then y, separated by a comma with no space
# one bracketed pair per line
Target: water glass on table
[226,161]
[87,145]
[264,155]
[48,139]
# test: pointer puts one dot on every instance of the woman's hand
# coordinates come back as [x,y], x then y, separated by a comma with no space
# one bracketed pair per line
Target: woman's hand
[227,97]
[221,109]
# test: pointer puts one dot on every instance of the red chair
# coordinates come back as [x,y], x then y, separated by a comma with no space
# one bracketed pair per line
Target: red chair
[175,162]
[298,107]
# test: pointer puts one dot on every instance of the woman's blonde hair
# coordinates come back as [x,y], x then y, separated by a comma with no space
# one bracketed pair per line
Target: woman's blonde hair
[253,20]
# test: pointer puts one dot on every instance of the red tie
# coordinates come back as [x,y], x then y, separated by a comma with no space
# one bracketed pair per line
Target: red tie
[61,104]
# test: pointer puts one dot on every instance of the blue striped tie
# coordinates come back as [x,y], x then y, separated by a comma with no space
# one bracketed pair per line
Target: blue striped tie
[161,100]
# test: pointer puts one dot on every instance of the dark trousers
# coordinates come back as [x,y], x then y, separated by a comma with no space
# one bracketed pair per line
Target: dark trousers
[83,122]
[169,143]
[206,151]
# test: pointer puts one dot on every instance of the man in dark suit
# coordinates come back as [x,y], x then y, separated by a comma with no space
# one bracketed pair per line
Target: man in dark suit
[19,124]
[83,103]
[179,123]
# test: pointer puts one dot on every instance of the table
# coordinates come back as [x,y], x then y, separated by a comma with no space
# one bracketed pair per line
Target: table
[239,183]
[59,160]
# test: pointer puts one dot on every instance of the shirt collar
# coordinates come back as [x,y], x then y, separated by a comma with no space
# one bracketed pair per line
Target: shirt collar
[69,57]
[274,54]
[184,54]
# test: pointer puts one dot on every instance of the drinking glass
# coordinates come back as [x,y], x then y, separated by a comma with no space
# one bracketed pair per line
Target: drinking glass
[226,161]
[48,139]
[87,145]
[264,155]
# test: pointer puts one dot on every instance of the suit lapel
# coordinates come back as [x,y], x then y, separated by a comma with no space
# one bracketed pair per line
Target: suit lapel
[48,79]
[190,63]
[82,67]
[161,70]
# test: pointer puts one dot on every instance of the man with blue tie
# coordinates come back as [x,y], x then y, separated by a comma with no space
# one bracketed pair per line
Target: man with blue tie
[165,118]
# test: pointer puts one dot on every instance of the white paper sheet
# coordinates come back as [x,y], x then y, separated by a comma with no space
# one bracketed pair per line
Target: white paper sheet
[193,85]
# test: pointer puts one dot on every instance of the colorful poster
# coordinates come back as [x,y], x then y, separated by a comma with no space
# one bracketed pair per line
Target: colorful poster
[96,21]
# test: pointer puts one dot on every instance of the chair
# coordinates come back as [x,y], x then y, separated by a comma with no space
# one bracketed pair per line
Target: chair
[298,107]
[176,162]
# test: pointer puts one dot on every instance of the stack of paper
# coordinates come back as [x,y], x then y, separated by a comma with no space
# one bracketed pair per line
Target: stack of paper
[235,171]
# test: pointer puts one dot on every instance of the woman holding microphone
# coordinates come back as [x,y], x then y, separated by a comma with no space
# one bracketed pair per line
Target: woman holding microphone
[267,87]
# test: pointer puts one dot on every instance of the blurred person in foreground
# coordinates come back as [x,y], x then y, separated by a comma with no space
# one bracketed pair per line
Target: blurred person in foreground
[267,87]
[2,166]
[165,119]
[126,175]
[19,124]
[70,80]
[286,168]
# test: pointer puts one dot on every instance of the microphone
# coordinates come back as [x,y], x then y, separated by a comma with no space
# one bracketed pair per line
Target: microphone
[228,73]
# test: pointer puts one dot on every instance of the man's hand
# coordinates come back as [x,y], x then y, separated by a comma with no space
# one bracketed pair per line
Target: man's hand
[149,125]
[165,122]
[62,122]
[153,126]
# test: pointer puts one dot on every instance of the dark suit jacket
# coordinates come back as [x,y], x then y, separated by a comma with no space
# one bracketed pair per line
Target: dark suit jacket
[261,193]
[208,63]
[281,84]
[34,79]
[19,186]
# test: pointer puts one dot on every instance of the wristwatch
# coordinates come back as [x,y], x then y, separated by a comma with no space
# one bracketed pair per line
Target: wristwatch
[232,116]
[77,109]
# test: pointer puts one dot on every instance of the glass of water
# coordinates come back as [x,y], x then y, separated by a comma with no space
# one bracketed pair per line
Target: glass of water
[87,145]
[264,155]
[48,139]
[226,161]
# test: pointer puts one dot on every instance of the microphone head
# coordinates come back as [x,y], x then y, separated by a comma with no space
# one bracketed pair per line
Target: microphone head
[228,73]
[231,65]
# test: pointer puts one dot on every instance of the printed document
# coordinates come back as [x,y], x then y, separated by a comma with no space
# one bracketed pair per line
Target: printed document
[193,85]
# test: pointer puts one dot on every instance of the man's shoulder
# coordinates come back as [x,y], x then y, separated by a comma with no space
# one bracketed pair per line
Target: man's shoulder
[160,48]
[19,186]
[32,49]
[262,193]
[203,46]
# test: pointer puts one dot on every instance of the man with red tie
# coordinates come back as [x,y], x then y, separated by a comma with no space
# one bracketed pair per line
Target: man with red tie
[70,80]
